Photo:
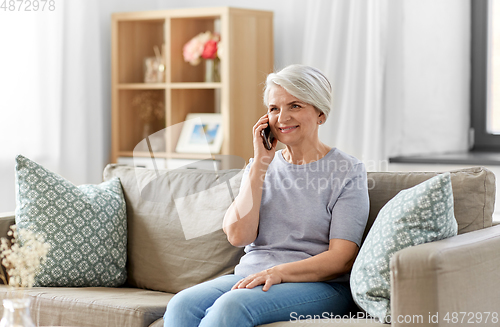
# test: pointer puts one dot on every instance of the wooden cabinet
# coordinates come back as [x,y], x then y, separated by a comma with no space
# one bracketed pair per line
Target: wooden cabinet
[247,57]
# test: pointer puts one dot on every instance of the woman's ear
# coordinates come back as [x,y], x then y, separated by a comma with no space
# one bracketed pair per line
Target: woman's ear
[321,118]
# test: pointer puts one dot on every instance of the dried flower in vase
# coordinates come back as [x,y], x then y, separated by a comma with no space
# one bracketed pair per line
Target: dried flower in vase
[149,105]
[22,257]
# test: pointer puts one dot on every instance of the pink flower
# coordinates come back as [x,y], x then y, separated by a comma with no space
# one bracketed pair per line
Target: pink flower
[203,45]
[192,51]
[210,50]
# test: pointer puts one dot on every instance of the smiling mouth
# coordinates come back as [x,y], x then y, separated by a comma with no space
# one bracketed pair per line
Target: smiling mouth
[288,129]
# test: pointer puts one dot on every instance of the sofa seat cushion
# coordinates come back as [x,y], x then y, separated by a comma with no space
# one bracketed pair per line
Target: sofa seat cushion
[95,306]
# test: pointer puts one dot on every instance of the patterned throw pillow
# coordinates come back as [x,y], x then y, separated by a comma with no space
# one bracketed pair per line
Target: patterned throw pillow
[86,226]
[421,214]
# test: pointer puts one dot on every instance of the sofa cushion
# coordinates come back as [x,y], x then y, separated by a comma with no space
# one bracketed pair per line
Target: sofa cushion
[421,214]
[85,226]
[175,225]
[95,306]
[473,193]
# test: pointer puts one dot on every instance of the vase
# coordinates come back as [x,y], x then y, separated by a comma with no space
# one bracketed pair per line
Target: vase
[154,70]
[16,313]
[142,146]
[212,70]
[146,129]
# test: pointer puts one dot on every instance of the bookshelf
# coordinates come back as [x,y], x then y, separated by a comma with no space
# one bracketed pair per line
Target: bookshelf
[247,57]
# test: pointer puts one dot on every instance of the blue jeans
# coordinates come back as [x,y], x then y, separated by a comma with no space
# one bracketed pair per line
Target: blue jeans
[213,304]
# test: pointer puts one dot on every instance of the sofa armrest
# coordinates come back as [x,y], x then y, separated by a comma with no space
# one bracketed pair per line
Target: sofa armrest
[458,274]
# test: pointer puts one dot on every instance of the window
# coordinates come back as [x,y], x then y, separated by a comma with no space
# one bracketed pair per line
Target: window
[485,86]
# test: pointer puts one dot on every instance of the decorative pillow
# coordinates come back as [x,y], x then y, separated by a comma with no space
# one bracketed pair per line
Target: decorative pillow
[175,225]
[86,226]
[421,214]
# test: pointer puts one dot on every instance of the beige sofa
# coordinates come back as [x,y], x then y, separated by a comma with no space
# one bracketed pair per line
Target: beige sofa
[167,252]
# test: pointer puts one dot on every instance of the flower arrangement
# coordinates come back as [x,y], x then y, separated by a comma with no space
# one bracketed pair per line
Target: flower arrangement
[151,111]
[204,45]
[22,257]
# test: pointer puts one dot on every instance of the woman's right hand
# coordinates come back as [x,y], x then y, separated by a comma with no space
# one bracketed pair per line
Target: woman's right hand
[241,221]
[261,154]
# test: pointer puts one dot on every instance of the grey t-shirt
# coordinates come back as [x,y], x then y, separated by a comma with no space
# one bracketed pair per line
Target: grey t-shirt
[303,207]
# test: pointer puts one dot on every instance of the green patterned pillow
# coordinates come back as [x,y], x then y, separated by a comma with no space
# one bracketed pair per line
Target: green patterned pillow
[421,214]
[86,226]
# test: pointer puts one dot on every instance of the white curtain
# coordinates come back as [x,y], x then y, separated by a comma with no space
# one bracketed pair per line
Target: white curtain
[400,72]
[30,105]
[51,104]
[427,97]
[347,41]
[84,145]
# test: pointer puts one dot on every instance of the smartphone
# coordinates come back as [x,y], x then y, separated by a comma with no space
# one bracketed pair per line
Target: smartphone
[267,137]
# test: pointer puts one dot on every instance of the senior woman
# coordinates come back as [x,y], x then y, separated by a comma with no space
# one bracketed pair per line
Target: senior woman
[300,214]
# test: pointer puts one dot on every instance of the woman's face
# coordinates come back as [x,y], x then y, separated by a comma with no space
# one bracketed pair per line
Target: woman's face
[292,121]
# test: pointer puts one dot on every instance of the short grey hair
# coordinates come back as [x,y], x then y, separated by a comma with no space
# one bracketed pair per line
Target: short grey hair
[305,83]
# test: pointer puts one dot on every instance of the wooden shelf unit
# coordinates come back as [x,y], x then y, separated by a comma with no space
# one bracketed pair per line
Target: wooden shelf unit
[247,50]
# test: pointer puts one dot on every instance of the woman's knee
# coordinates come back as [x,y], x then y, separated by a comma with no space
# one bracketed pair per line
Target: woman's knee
[232,300]
[181,302]
[230,308]
[193,301]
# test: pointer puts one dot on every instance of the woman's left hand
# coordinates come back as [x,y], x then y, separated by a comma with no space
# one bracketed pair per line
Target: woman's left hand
[266,277]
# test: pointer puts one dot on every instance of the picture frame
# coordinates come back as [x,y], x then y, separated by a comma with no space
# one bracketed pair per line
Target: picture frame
[201,133]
